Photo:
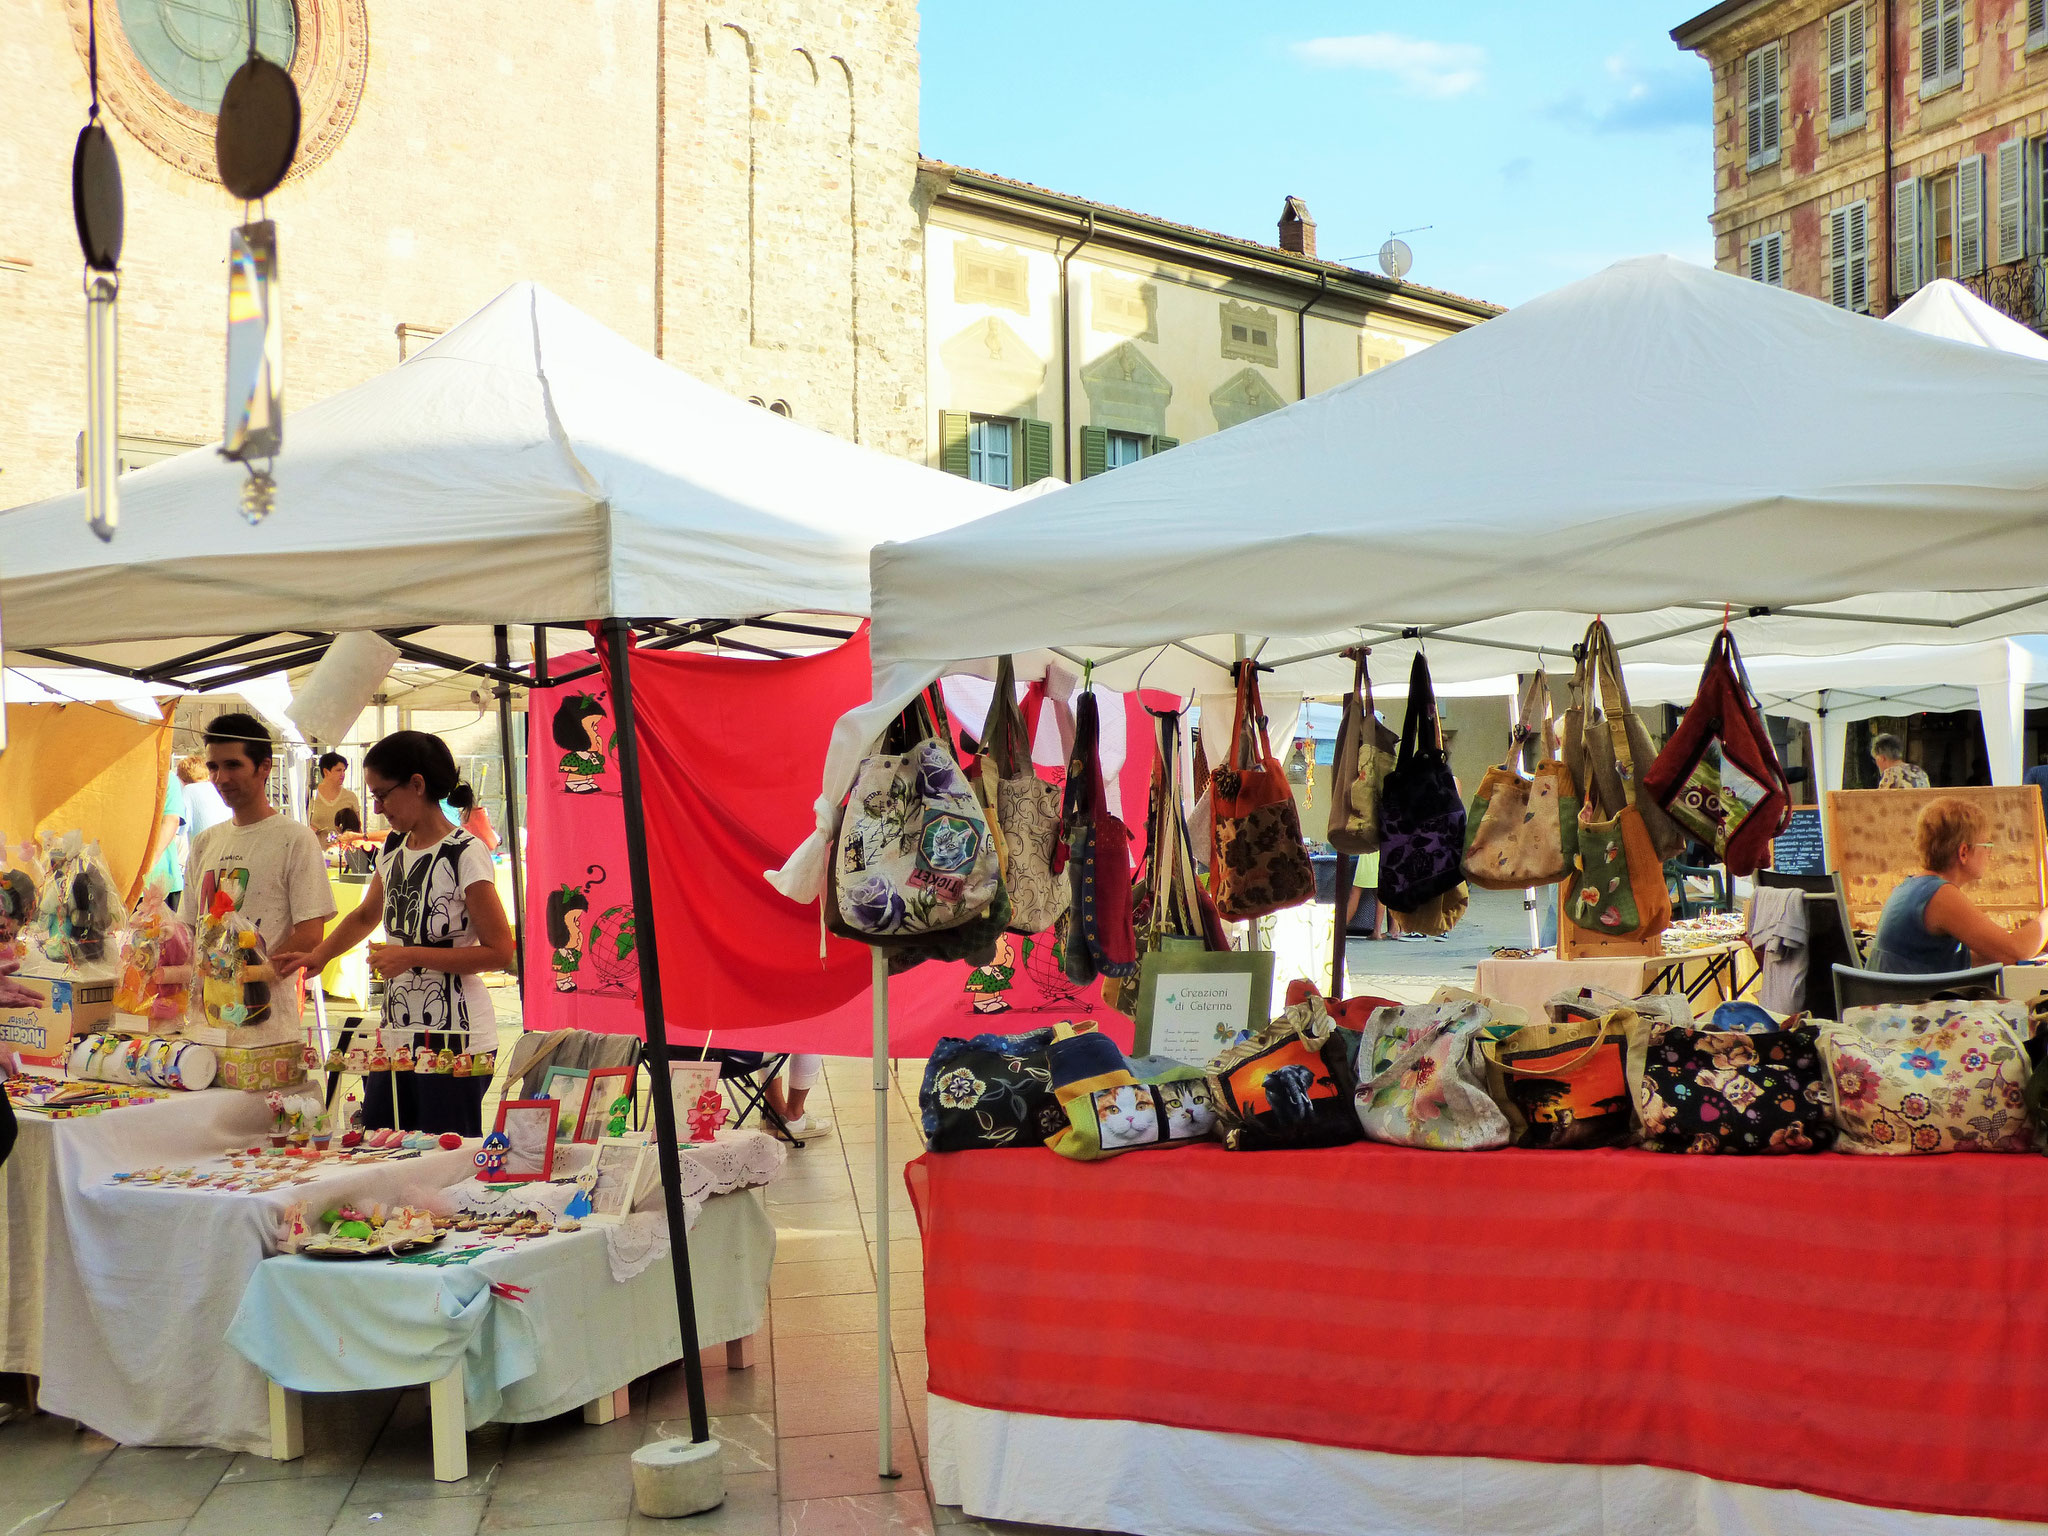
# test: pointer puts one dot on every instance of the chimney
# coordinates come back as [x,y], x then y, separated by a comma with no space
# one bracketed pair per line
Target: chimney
[1297,229]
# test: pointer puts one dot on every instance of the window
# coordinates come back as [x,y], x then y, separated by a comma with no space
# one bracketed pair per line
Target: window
[1848,256]
[1941,46]
[2037,24]
[1250,335]
[996,275]
[1104,449]
[1846,29]
[1762,70]
[988,451]
[1767,259]
[1123,448]
[1938,218]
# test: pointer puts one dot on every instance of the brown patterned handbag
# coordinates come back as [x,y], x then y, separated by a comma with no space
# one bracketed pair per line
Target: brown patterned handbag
[1260,863]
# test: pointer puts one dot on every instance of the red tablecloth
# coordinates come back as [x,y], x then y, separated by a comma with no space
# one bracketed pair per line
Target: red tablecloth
[1873,1329]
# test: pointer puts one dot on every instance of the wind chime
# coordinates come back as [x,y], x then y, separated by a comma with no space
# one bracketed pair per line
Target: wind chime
[254,142]
[96,207]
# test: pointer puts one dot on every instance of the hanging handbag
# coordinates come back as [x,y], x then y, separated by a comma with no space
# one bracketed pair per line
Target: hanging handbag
[1597,757]
[1422,1078]
[913,855]
[1436,916]
[1616,885]
[1260,863]
[1103,941]
[1363,754]
[1521,832]
[1422,821]
[1719,775]
[1027,811]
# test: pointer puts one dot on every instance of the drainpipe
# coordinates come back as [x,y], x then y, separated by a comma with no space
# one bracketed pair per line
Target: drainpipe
[1301,336]
[1891,214]
[1066,359]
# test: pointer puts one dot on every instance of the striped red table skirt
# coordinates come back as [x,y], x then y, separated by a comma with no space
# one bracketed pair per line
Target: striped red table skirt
[1873,1329]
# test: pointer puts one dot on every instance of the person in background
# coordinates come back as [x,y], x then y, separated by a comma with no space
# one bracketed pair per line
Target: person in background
[1893,771]
[353,851]
[1928,924]
[329,797]
[444,927]
[204,808]
[804,1072]
[164,866]
[2038,777]
[269,863]
[467,812]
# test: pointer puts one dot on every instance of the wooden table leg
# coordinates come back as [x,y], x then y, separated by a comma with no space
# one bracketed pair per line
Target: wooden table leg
[739,1353]
[451,1445]
[613,1405]
[287,1424]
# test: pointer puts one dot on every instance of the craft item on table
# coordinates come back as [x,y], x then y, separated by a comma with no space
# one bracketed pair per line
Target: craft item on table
[1742,1090]
[357,1059]
[80,908]
[401,1057]
[601,1090]
[236,975]
[1422,1078]
[1930,1077]
[161,1061]
[444,1061]
[490,1159]
[18,901]
[1564,1082]
[1290,1085]
[292,1228]
[156,962]
[380,1059]
[706,1115]
[990,1091]
[1116,1104]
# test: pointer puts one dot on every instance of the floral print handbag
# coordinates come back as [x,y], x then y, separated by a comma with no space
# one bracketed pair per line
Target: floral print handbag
[1259,863]
[1422,1079]
[990,1091]
[1930,1077]
[913,854]
[1745,1092]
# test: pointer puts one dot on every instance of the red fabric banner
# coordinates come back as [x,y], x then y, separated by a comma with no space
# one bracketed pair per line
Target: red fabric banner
[731,753]
[1862,1328]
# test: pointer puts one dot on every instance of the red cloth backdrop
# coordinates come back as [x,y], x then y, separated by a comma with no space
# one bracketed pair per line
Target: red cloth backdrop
[731,753]
[1866,1328]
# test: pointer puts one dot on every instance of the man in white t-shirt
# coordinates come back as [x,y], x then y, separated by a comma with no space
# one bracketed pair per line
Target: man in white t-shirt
[270,863]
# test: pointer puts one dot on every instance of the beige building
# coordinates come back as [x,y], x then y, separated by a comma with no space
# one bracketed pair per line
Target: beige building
[727,182]
[1855,161]
[1066,337]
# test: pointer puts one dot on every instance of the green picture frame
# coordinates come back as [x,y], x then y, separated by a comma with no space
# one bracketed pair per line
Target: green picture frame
[1195,1020]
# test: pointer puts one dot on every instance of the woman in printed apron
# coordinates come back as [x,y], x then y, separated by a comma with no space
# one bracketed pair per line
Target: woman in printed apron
[443,927]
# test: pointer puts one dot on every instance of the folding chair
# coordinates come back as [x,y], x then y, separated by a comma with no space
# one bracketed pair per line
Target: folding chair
[747,1074]
[1855,988]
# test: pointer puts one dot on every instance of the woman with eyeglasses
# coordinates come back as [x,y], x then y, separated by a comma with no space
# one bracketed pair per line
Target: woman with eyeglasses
[443,927]
[1928,924]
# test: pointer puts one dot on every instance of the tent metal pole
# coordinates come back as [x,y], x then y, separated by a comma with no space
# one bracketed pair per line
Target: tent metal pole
[884,1359]
[502,643]
[618,637]
[1347,871]
[1237,656]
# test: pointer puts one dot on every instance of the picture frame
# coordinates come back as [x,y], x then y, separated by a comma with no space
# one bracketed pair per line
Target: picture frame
[1193,1004]
[687,1081]
[529,1125]
[618,1168]
[599,1090]
[565,1085]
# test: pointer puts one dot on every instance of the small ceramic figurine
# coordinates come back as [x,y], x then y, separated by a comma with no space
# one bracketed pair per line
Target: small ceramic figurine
[346,1221]
[445,1062]
[335,1060]
[358,1059]
[707,1115]
[380,1060]
[621,1112]
[462,1064]
[490,1161]
[401,1058]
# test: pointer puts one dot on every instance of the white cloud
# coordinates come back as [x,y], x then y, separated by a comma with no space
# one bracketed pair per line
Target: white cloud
[1437,70]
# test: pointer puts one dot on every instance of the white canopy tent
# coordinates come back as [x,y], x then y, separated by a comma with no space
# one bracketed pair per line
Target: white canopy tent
[1947,309]
[1658,443]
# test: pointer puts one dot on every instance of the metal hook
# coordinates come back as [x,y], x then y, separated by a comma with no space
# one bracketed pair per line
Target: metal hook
[1139,685]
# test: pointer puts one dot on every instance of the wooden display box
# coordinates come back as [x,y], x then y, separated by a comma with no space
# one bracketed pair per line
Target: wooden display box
[1576,943]
[1871,832]
[258,1069]
[43,1034]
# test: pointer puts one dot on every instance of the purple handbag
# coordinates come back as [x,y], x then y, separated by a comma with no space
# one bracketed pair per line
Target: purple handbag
[1422,818]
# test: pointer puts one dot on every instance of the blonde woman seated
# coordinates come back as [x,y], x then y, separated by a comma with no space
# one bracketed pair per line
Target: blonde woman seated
[1928,924]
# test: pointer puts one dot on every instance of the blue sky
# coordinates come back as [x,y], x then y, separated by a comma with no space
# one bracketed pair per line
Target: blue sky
[1540,142]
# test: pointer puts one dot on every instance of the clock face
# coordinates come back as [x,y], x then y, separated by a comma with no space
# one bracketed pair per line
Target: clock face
[192,47]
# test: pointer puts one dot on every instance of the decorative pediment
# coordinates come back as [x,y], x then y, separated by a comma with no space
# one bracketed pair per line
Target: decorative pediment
[1242,396]
[989,369]
[1126,392]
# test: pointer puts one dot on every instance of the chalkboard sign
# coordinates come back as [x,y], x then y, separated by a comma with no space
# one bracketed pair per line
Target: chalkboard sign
[1798,849]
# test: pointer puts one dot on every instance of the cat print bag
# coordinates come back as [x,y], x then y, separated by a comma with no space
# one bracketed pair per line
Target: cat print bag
[1116,1104]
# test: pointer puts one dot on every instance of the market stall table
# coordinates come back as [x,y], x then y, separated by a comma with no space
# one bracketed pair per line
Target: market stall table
[1705,973]
[139,1283]
[1195,1341]
[531,1329]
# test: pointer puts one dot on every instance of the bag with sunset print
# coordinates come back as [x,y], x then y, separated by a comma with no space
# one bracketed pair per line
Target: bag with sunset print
[1290,1085]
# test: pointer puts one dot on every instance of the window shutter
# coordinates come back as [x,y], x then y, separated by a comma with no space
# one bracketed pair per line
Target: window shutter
[1856,26]
[1970,216]
[1838,67]
[1838,258]
[2011,209]
[953,442]
[1756,261]
[1094,451]
[1772,70]
[1859,258]
[1753,102]
[1037,452]
[1951,41]
[2037,19]
[1906,235]
[1161,444]
[1930,47]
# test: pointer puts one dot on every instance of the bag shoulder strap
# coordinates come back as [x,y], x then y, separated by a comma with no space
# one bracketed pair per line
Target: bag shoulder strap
[1537,690]
[1003,738]
[1421,715]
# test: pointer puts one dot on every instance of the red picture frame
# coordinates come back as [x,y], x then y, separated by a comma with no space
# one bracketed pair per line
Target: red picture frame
[599,1089]
[551,1109]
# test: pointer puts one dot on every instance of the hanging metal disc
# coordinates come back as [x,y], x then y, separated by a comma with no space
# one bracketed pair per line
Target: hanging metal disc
[258,131]
[96,198]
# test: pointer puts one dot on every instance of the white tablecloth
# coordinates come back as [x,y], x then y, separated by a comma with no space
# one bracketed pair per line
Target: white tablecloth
[320,1326]
[139,1284]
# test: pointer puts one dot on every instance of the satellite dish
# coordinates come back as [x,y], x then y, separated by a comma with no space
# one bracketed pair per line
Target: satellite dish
[1396,259]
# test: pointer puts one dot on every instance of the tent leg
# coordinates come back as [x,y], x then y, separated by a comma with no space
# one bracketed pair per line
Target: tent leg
[884,1358]
[512,841]
[1529,901]
[1237,657]
[618,635]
